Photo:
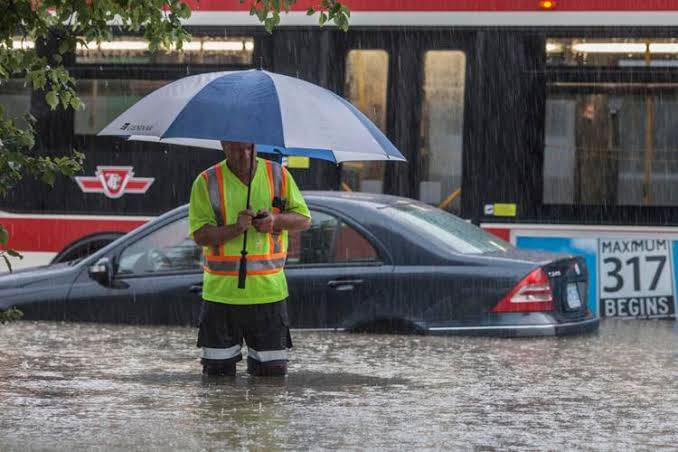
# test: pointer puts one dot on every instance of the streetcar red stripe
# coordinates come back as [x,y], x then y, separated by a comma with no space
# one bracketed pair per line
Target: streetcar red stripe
[504,234]
[53,234]
[457,5]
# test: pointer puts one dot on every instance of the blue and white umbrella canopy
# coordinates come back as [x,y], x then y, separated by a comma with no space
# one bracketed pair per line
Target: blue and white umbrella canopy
[280,114]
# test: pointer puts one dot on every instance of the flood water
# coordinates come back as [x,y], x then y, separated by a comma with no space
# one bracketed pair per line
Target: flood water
[83,386]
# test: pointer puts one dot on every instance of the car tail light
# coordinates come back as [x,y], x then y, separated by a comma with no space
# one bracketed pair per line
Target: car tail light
[532,294]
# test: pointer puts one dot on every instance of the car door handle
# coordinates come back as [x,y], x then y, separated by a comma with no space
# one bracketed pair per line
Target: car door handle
[344,284]
[196,288]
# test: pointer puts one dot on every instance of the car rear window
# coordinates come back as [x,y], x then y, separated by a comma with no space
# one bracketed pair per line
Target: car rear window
[439,225]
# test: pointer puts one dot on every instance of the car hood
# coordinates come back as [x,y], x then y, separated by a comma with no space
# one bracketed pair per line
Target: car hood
[33,275]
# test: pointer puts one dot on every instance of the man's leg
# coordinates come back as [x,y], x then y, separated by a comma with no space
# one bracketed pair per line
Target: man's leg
[268,338]
[220,339]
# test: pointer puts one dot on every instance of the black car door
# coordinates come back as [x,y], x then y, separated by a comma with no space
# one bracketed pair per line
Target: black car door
[337,277]
[157,280]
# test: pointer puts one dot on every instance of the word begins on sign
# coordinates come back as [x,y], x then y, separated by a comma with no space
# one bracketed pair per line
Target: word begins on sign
[638,307]
[635,278]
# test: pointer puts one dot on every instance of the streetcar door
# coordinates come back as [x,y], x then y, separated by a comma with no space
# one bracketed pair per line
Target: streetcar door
[412,85]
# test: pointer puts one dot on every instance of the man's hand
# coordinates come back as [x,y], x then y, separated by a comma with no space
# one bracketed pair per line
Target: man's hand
[266,222]
[245,219]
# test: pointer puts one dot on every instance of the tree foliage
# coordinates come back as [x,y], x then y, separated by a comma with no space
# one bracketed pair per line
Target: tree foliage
[25,24]
[10,315]
[329,11]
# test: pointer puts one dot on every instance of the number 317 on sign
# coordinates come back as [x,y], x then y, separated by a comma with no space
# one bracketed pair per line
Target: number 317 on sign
[635,278]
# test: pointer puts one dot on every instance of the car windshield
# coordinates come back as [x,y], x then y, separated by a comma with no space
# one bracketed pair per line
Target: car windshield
[439,225]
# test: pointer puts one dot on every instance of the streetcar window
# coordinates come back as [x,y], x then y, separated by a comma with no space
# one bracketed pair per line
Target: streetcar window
[365,86]
[611,144]
[621,52]
[200,50]
[15,99]
[106,99]
[442,116]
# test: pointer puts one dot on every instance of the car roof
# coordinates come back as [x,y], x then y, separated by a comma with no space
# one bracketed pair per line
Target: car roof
[331,198]
[349,197]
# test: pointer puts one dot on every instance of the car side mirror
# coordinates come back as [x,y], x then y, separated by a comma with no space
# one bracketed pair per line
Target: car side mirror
[102,271]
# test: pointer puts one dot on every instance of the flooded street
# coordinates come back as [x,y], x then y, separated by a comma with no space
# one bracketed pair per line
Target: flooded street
[82,386]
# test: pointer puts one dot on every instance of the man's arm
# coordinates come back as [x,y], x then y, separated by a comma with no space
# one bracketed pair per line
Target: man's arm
[209,235]
[289,221]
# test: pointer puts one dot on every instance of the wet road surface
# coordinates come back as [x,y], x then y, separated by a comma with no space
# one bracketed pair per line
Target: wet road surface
[82,386]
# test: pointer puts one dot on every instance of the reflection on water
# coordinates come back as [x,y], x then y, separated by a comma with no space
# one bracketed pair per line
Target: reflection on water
[82,386]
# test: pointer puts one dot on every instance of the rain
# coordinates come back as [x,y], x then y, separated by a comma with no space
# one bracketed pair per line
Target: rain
[484,258]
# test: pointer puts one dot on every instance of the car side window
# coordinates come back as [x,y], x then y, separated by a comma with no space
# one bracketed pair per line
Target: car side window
[165,250]
[351,246]
[328,241]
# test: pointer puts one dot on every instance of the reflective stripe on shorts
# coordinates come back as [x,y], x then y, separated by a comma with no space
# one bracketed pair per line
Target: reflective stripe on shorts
[220,353]
[262,357]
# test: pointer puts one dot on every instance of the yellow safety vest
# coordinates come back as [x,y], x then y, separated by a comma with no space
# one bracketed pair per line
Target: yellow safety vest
[217,260]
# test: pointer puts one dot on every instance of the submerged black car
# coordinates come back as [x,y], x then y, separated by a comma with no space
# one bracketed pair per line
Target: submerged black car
[368,263]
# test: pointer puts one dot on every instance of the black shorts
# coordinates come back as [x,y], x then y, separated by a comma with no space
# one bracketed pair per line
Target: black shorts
[263,327]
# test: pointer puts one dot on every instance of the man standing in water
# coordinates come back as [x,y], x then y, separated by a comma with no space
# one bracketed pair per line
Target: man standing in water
[218,217]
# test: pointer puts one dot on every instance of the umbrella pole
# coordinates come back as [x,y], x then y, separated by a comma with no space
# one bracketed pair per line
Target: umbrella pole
[242,270]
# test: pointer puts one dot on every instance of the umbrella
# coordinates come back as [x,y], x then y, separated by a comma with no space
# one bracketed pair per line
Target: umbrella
[280,114]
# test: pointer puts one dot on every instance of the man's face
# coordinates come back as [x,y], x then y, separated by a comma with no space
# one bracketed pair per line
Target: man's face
[237,151]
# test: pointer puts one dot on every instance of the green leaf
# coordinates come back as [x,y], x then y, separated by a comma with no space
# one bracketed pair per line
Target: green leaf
[322,19]
[4,235]
[76,103]
[27,140]
[184,11]
[10,315]
[310,11]
[48,177]
[64,46]
[52,99]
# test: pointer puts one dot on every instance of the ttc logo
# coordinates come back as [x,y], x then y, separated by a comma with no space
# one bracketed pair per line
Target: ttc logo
[114,181]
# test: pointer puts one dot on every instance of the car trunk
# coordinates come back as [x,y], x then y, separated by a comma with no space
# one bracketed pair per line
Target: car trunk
[569,282]
[566,274]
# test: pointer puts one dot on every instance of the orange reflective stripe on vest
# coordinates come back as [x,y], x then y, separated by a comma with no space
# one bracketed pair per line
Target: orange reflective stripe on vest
[215,187]
[256,265]
[277,182]
[216,260]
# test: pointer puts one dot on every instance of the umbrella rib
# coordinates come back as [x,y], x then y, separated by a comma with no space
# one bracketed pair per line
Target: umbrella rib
[280,109]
